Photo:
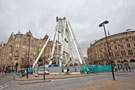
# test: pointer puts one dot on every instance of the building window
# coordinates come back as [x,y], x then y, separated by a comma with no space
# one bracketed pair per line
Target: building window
[115,47]
[35,48]
[23,46]
[100,50]
[128,45]
[122,46]
[120,40]
[24,41]
[34,53]
[28,42]
[101,56]
[130,52]
[126,39]
[134,44]
[17,45]
[31,60]
[111,54]
[116,53]
[16,51]
[22,60]
[23,52]
[133,38]
[40,44]
[27,48]
[32,42]
[123,53]
[17,39]
[110,48]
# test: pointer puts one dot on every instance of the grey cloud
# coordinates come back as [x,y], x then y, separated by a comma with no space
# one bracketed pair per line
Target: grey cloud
[84,16]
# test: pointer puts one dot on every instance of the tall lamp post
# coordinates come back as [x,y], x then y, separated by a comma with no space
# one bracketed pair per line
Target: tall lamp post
[109,56]
[44,64]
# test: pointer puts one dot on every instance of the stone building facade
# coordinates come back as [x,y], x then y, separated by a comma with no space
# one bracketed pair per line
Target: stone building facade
[23,47]
[121,47]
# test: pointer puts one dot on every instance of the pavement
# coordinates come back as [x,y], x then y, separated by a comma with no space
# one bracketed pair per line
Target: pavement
[39,79]
[34,79]
[68,83]
[5,78]
[127,83]
[65,82]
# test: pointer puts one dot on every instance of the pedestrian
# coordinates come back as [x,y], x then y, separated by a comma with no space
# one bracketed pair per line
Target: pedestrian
[0,70]
[129,68]
[116,68]
[87,70]
[6,70]
[123,67]
[67,71]
[119,67]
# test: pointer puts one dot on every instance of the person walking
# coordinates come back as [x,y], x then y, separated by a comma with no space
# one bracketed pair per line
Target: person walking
[123,67]
[87,70]
[119,67]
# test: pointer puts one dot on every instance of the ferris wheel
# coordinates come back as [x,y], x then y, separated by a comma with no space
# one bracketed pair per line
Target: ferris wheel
[65,47]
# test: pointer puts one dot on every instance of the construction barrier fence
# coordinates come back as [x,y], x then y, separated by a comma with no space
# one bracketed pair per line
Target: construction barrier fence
[96,68]
[81,69]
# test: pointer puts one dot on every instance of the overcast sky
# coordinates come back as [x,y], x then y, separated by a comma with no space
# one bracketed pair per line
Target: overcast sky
[84,15]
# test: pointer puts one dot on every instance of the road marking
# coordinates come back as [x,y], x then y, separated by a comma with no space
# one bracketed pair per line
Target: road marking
[3,86]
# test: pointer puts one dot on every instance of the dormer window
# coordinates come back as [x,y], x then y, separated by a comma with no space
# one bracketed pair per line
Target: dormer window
[40,44]
[17,39]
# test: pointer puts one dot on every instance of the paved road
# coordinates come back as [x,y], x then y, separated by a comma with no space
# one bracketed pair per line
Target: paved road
[66,84]
[4,79]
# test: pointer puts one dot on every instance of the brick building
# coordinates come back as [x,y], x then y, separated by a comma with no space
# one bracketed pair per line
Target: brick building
[21,48]
[121,46]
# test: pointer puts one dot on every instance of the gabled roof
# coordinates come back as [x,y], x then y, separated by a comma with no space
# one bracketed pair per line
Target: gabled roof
[19,33]
[2,44]
[46,36]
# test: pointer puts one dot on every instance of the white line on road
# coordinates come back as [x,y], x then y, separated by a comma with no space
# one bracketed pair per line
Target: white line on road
[3,86]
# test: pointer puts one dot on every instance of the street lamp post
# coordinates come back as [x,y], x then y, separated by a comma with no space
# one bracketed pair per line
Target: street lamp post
[44,63]
[109,56]
[44,67]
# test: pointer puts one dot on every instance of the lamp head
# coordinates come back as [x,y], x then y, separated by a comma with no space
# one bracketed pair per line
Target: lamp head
[106,22]
[100,25]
